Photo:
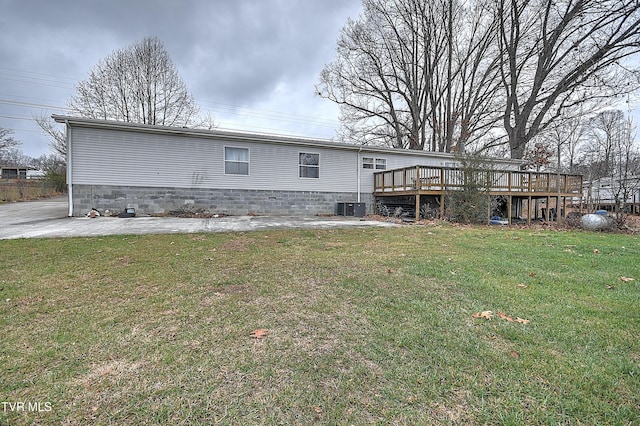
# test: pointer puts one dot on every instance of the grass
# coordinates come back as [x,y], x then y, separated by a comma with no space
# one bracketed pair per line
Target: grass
[12,190]
[368,326]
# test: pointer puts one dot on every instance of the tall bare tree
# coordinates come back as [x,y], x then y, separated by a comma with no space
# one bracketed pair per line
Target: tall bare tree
[606,130]
[413,73]
[137,84]
[566,136]
[454,75]
[561,54]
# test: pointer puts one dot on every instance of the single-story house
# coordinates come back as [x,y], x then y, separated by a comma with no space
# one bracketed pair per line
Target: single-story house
[156,169]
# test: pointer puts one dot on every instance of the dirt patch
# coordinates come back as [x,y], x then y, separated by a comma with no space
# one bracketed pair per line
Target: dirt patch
[115,370]
[238,244]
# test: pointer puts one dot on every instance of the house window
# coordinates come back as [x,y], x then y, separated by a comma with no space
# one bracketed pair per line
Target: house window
[309,165]
[371,163]
[236,161]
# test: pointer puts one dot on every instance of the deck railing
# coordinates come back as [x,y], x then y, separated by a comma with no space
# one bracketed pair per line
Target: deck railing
[440,179]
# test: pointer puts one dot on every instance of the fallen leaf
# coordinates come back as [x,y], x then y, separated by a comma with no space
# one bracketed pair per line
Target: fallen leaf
[532,274]
[626,279]
[610,287]
[522,320]
[260,333]
[388,270]
[484,314]
[514,354]
[522,286]
[596,251]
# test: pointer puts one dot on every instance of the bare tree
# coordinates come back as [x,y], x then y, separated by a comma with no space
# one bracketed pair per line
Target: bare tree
[559,55]
[138,84]
[57,136]
[606,130]
[414,74]
[6,140]
[625,176]
[566,136]
[612,162]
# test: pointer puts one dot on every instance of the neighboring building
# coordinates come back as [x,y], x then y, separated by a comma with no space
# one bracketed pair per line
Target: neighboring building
[35,174]
[602,194]
[154,169]
[13,172]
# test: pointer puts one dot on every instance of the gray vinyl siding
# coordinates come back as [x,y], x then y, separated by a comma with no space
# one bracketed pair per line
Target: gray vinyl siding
[149,158]
[114,157]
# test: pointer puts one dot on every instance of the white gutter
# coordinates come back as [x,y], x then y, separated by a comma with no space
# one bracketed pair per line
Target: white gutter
[359,172]
[69,166]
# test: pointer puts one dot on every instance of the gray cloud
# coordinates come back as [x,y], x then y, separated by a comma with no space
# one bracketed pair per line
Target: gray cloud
[239,58]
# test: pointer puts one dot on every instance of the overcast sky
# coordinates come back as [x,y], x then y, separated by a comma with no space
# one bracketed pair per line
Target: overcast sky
[252,63]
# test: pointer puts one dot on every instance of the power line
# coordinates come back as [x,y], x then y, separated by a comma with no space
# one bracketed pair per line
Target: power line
[39,73]
[217,107]
[16,118]
[33,77]
[32,105]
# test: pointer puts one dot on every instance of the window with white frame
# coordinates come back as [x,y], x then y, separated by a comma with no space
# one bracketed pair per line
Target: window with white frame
[367,162]
[236,161]
[374,163]
[309,165]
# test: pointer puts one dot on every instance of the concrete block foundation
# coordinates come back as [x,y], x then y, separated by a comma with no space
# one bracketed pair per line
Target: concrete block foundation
[235,202]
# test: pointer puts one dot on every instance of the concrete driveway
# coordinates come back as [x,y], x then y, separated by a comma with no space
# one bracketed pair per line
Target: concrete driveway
[48,218]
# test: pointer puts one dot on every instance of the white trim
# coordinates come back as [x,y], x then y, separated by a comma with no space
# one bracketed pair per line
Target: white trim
[359,170]
[224,161]
[69,167]
[307,165]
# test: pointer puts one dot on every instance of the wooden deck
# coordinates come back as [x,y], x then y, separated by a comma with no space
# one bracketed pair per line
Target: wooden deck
[518,185]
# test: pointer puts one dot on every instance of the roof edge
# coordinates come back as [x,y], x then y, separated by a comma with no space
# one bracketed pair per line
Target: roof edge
[250,137]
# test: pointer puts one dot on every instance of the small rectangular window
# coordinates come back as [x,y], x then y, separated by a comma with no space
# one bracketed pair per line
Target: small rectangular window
[309,165]
[374,163]
[236,161]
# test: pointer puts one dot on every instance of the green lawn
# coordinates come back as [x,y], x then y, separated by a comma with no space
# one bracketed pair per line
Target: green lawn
[366,326]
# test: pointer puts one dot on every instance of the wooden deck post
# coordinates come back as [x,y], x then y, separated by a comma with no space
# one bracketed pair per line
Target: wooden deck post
[529,211]
[442,206]
[509,201]
[546,216]
[418,205]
